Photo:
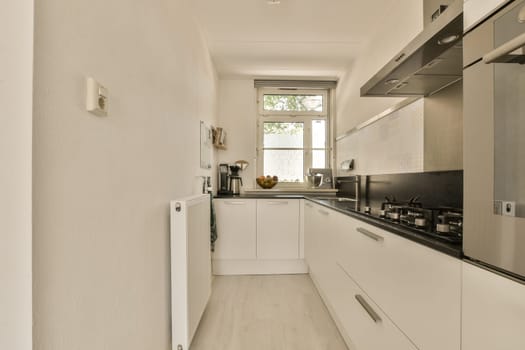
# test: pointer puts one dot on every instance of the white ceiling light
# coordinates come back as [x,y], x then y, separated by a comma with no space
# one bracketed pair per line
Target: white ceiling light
[273,2]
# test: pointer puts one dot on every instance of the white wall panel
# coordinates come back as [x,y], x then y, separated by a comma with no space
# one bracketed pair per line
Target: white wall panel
[394,144]
[475,11]
[16,90]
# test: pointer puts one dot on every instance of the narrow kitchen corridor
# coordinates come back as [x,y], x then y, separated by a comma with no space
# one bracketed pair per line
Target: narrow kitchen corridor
[262,175]
[279,312]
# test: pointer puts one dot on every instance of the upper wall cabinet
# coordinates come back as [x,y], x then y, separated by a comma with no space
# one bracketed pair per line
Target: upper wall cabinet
[475,11]
[423,136]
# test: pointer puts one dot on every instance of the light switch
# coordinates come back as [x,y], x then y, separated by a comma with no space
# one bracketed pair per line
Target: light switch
[96,98]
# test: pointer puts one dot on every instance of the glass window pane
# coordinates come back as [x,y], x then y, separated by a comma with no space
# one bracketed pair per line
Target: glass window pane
[287,165]
[293,103]
[319,159]
[318,133]
[283,135]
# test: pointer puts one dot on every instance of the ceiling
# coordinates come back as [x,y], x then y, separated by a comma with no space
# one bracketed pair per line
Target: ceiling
[307,38]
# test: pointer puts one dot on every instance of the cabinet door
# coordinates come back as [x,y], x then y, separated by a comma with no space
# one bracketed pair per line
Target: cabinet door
[493,309]
[277,229]
[309,229]
[474,11]
[365,330]
[318,222]
[236,229]
[419,288]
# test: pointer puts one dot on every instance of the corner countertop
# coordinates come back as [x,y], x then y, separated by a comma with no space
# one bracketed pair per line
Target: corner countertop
[261,196]
[283,193]
[308,191]
[326,199]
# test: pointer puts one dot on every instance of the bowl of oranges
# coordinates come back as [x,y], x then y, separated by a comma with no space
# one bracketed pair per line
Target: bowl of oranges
[267,181]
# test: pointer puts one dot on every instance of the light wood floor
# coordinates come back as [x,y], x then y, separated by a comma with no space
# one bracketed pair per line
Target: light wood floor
[278,312]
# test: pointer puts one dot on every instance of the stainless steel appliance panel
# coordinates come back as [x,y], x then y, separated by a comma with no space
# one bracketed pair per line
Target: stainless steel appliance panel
[490,238]
[509,121]
[429,63]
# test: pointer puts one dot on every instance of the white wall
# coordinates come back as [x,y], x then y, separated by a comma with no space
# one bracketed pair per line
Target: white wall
[238,116]
[102,185]
[403,23]
[16,58]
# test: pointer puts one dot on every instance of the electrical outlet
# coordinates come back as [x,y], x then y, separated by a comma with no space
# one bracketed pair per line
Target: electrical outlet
[509,208]
[96,98]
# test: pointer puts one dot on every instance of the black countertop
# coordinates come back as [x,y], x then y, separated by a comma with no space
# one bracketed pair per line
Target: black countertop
[454,250]
[262,196]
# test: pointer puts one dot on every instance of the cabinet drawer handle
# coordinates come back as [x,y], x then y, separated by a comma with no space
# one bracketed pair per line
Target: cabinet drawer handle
[324,212]
[235,203]
[371,312]
[369,234]
[277,203]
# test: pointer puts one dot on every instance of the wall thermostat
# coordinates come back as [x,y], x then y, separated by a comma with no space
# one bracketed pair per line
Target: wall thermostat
[96,98]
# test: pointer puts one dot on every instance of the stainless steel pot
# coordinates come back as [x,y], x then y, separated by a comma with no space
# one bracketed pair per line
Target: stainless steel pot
[313,180]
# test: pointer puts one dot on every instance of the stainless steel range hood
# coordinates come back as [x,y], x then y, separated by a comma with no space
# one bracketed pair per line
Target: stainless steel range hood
[429,63]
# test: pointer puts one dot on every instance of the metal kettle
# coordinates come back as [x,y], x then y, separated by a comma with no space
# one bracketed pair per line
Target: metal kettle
[235,184]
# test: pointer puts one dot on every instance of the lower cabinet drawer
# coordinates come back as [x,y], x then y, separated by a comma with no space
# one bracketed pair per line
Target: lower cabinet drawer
[362,321]
[419,288]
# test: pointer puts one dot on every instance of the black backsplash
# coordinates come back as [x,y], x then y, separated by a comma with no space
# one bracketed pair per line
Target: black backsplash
[434,189]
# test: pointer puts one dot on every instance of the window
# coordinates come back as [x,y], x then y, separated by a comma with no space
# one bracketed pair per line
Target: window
[293,129]
[292,103]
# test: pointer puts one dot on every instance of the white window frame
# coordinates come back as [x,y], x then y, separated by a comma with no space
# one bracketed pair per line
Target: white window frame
[293,117]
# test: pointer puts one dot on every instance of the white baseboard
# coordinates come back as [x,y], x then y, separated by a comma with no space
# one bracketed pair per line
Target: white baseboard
[259,267]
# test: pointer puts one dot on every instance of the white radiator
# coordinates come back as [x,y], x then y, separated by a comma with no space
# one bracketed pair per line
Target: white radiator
[190,266]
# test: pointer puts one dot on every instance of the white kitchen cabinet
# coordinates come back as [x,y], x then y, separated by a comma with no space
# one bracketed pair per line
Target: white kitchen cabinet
[493,311]
[236,227]
[277,229]
[323,247]
[313,244]
[418,287]
[365,330]
[258,236]
[308,230]
[320,226]
[475,11]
